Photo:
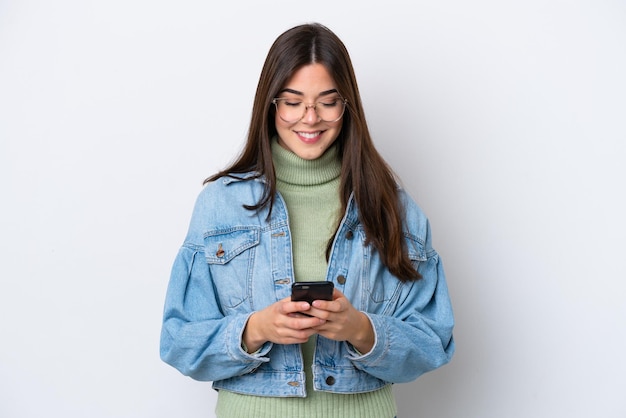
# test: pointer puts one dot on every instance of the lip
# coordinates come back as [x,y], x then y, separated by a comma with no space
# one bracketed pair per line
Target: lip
[309,137]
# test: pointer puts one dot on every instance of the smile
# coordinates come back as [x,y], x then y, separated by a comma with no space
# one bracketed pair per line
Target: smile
[309,135]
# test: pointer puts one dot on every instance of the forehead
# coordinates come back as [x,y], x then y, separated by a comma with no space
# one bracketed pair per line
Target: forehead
[311,79]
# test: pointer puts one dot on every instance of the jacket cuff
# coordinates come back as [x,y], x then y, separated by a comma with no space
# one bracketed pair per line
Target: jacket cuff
[374,353]
[239,350]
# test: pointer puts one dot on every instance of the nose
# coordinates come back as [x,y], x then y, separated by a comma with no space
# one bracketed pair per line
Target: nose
[310,115]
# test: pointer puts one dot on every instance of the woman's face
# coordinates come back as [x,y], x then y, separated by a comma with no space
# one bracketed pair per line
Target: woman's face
[310,136]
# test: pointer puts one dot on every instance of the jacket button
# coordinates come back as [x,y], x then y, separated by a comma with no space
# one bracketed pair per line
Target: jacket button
[341,279]
[349,235]
[293,383]
[330,380]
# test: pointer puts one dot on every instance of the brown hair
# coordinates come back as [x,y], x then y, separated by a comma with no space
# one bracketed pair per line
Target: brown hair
[364,172]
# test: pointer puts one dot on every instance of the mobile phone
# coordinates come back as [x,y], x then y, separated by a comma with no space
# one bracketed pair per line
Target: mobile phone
[310,291]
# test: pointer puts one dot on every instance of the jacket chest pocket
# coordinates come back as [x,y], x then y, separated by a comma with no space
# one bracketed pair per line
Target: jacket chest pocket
[383,288]
[415,249]
[230,255]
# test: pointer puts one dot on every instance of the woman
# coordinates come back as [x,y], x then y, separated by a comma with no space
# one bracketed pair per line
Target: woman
[308,199]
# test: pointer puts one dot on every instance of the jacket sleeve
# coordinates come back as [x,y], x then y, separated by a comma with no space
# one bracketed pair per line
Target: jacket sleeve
[417,337]
[196,338]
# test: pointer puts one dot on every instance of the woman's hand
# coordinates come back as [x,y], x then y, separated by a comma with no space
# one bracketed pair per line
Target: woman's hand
[343,322]
[280,323]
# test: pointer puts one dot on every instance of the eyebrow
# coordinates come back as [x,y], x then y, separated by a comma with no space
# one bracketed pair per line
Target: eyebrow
[299,93]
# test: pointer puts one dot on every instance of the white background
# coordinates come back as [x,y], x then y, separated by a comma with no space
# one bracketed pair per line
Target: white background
[505,120]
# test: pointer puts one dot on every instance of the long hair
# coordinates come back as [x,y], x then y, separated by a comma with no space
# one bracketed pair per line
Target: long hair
[364,172]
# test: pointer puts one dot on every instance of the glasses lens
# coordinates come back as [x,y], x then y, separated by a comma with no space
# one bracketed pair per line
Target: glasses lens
[329,110]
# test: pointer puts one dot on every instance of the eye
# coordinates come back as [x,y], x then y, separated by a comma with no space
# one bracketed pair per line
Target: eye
[331,102]
[293,103]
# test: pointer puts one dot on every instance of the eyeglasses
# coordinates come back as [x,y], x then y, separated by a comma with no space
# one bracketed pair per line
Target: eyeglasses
[292,110]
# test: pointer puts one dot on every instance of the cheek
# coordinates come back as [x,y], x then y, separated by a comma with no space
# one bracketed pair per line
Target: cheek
[337,130]
[280,124]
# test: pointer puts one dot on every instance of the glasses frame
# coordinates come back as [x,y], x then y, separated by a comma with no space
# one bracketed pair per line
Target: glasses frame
[275,101]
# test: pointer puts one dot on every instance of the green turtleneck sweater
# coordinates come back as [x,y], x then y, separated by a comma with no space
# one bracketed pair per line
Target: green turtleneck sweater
[310,189]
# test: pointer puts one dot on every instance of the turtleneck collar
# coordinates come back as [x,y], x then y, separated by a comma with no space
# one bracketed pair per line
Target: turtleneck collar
[294,170]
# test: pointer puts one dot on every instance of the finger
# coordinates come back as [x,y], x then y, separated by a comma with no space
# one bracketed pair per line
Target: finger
[295,336]
[303,322]
[289,307]
[339,302]
[329,306]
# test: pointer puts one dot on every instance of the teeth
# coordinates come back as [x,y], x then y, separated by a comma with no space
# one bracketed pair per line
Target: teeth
[308,135]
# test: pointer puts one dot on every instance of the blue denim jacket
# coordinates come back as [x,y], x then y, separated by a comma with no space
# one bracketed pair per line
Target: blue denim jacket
[235,261]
